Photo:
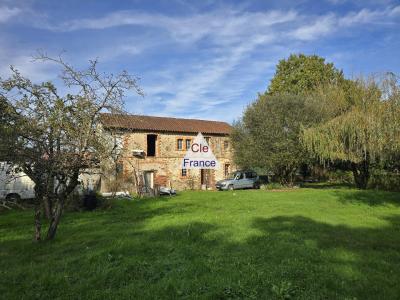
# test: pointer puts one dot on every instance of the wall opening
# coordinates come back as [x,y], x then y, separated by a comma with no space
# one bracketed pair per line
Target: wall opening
[151,144]
[148,177]
[226,170]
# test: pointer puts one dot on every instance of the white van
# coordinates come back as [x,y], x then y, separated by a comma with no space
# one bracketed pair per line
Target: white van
[19,186]
[16,186]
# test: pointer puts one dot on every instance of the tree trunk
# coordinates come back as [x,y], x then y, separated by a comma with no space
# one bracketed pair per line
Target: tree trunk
[55,219]
[38,211]
[286,176]
[47,207]
[38,224]
[361,174]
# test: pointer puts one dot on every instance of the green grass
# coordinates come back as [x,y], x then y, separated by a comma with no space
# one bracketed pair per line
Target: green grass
[302,244]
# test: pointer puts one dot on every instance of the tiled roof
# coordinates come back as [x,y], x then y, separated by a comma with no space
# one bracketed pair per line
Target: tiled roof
[164,124]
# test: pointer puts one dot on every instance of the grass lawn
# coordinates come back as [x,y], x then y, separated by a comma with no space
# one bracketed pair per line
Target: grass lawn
[302,244]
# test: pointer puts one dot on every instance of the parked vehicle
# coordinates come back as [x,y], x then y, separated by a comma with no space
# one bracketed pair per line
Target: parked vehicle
[239,180]
[16,187]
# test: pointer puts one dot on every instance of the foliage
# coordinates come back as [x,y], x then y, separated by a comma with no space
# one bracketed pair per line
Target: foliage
[272,186]
[340,176]
[268,134]
[384,180]
[54,137]
[267,137]
[366,132]
[304,243]
[302,74]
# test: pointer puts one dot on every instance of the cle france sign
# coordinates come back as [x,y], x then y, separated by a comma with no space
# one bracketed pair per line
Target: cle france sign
[199,155]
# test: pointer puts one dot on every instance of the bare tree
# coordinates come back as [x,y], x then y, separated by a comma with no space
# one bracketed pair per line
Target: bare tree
[53,137]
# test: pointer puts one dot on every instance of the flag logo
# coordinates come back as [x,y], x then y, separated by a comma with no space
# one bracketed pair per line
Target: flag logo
[199,155]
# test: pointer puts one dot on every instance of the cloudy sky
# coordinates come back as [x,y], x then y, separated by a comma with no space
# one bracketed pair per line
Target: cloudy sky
[199,59]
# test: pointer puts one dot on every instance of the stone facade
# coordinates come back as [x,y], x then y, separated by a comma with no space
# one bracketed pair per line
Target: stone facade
[164,168]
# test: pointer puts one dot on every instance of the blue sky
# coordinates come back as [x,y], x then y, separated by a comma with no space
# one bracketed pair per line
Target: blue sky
[199,59]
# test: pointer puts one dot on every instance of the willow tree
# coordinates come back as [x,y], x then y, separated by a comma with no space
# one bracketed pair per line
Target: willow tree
[365,130]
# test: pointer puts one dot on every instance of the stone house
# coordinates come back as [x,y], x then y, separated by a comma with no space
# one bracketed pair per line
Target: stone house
[153,149]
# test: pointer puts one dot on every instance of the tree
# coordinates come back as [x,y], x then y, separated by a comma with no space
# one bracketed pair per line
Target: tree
[364,134]
[53,137]
[302,74]
[268,136]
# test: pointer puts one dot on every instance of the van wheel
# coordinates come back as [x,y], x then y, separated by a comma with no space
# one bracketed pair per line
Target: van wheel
[230,187]
[13,197]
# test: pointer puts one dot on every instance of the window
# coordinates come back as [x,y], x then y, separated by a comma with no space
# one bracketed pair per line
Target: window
[179,144]
[183,172]
[239,176]
[226,169]
[226,145]
[151,144]
[188,141]
[251,175]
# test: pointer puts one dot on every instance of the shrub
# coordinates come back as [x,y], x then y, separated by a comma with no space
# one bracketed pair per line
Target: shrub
[90,201]
[272,186]
[104,202]
[339,176]
[74,202]
[382,180]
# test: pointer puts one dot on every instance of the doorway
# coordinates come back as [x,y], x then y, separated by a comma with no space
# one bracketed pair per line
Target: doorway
[205,177]
[148,179]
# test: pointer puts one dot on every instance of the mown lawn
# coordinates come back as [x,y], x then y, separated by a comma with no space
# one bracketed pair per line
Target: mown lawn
[302,244]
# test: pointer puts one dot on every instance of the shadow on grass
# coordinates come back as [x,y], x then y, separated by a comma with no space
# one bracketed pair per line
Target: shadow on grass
[327,185]
[290,257]
[369,197]
[113,255]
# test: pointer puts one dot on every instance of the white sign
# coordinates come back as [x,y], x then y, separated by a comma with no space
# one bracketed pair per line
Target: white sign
[199,156]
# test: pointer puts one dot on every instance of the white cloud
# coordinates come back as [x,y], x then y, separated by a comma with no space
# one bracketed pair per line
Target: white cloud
[395,11]
[23,62]
[226,42]
[321,26]
[330,23]
[7,13]
[204,87]
[206,83]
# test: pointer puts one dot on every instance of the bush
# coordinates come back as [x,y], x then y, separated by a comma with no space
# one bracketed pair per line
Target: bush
[90,201]
[382,180]
[74,202]
[104,202]
[339,176]
[272,186]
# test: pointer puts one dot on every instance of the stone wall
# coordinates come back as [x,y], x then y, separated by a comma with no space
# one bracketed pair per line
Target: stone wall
[166,164]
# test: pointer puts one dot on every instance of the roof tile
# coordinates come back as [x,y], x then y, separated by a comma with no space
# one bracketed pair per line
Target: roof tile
[164,124]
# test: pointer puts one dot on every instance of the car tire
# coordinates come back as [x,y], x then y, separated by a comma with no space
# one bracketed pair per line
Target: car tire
[13,197]
[256,186]
[230,187]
